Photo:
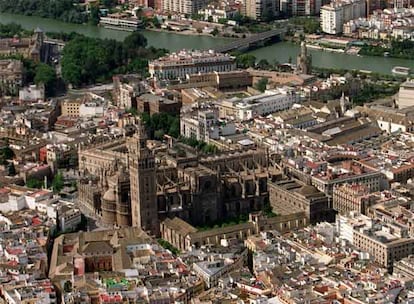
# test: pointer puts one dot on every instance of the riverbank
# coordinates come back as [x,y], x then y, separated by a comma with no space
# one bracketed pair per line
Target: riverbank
[167,40]
[280,52]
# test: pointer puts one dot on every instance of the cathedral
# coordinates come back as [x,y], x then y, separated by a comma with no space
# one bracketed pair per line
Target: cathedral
[125,183]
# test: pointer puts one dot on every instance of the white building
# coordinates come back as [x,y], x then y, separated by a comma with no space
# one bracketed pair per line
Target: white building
[32,93]
[91,109]
[187,7]
[204,125]
[345,224]
[269,102]
[406,94]
[69,217]
[216,13]
[335,14]
[183,63]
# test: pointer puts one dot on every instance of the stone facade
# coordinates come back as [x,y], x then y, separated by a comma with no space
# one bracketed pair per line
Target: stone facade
[351,197]
[184,236]
[288,196]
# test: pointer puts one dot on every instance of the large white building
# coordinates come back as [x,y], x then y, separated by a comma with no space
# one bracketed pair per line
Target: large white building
[335,14]
[269,102]
[187,7]
[183,63]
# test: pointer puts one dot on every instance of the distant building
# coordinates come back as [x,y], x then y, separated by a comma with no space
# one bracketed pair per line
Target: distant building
[183,63]
[151,104]
[261,9]
[188,7]
[203,125]
[337,13]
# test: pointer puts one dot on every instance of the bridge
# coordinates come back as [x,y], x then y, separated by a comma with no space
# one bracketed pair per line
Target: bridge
[59,43]
[245,43]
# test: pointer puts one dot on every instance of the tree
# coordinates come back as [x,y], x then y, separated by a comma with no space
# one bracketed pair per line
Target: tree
[133,42]
[262,84]
[215,32]
[11,170]
[45,74]
[94,15]
[57,183]
[67,286]
[245,61]
[159,134]
[34,183]
[263,64]
[6,153]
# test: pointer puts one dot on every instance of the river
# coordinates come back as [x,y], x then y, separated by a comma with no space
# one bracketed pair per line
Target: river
[281,51]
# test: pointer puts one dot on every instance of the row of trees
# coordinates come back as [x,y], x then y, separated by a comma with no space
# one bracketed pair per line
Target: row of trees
[160,124]
[397,49]
[57,183]
[200,145]
[65,10]
[89,60]
[12,29]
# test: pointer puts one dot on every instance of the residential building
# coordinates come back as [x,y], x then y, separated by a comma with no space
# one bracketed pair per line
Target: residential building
[351,197]
[385,242]
[70,107]
[204,124]
[261,9]
[187,7]
[339,12]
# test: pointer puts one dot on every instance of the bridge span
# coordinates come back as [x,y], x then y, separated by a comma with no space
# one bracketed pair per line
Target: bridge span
[245,43]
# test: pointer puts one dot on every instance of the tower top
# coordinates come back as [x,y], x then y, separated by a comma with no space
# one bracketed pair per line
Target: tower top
[303,49]
[141,133]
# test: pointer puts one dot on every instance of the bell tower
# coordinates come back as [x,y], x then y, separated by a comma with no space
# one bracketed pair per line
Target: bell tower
[143,183]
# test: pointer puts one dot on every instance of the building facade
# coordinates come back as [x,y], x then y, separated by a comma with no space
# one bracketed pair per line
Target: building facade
[261,9]
[11,76]
[187,7]
[337,13]
[142,174]
[351,197]
[406,95]
[183,63]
